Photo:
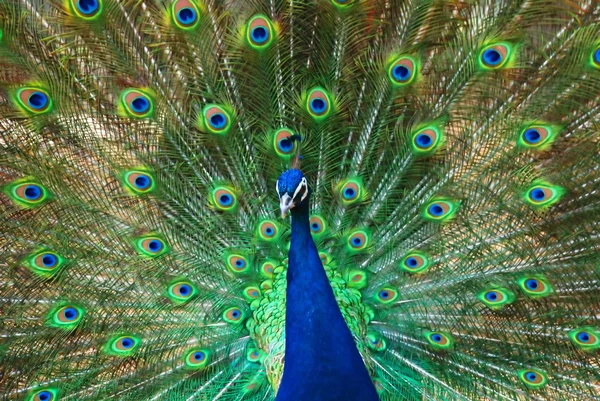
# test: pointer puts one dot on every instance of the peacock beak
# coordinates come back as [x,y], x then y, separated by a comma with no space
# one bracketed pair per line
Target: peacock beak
[285,204]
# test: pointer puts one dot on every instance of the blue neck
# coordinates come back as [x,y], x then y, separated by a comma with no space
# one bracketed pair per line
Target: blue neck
[321,358]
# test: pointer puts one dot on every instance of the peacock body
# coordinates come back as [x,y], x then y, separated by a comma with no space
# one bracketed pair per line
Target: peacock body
[439,160]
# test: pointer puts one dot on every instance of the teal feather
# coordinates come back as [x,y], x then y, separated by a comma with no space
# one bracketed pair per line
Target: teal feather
[108,145]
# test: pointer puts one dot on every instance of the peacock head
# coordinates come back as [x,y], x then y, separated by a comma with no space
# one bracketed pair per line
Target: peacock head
[292,189]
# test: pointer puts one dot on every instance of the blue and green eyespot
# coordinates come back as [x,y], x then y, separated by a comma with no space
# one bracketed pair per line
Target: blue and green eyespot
[496,56]
[403,71]
[259,32]
[33,100]
[595,57]
[223,199]
[533,378]
[233,315]
[318,103]
[151,246]
[255,355]
[387,295]
[137,103]
[86,9]
[439,340]
[440,210]
[358,240]
[27,193]
[375,341]
[65,316]
[542,195]
[350,191]
[537,136]
[268,230]
[196,358]
[181,291]
[535,287]
[585,338]
[415,262]
[185,14]
[284,144]
[45,263]
[122,345]
[139,182]
[45,394]
[496,298]
[318,226]
[427,140]
[237,263]
[356,279]
[216,119]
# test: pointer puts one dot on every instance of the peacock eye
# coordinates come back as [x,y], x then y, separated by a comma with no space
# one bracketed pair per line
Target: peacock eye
[259,32]
[151,246]
[318,103]
[65,317]
[181,292]
[596,57]
[196,358]
[533,378]
[402,71]
[137,103]
[33,101]
[185,14]
[47,394]
[138,182]
[495,56]
[438,340]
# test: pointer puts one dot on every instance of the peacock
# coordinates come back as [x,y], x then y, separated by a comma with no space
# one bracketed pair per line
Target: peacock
[327,200]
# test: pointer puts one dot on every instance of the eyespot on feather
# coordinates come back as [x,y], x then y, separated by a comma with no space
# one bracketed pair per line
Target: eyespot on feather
[268,230]
[402,71]
[267,268]
[223,199]
[137,103]
[122,345]
[185,14]
[45,263]
[196,358]
[251,293]
[387,295]
[181,291]
[439,340]
[45,394]
[33,100]
[595,57]
[356,279]
[375,342]
[237,263]
[415,262]
[440,210]
[151,246]
[284,144]
[496,298]
[427,141]
[216,119]
[350,191]
[318,225]
[259,32]
[533,378]
[65,316]
[139,182]
[495,56]
[534,287]
[542,195]
[27,193]
[342,4]
[318,103]
[358,240]
[86,9]
[233,315]
[585,338]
